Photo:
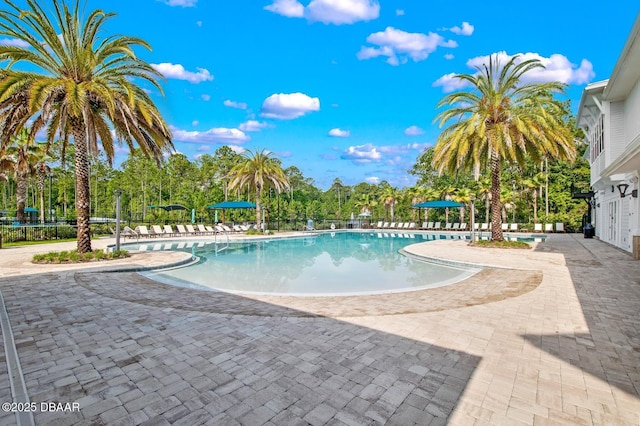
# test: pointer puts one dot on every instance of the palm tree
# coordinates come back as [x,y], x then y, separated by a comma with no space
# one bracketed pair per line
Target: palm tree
[78,85]
[463,196]
[504,120]
[258,171]
[389,197]
[23,157]
[533,184]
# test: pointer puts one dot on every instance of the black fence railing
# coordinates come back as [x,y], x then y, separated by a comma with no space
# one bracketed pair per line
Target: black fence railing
[12,234]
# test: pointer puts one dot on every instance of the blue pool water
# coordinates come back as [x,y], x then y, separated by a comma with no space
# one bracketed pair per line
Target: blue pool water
[341,263]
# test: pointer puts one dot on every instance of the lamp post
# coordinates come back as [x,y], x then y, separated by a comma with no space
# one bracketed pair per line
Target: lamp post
[118,193]
[473,219]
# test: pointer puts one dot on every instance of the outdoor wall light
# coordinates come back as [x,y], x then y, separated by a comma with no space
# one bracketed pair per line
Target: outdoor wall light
[622,188]
[634,193]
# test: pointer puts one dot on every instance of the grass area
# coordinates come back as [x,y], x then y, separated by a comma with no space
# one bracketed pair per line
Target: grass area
[36,242]
[501,244]
[73,256]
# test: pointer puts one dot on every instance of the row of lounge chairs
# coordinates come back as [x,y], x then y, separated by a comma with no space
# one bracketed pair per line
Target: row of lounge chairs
[181,230]
[437,226]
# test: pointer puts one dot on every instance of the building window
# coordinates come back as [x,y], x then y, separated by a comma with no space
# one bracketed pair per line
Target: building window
[596,137]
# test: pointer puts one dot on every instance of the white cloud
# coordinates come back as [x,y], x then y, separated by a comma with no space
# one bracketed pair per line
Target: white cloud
[237,149]
[399,12]
[203,148]
[557,68]
[467,29]
[194,123]
[362,154]
[216,134]
[449,56]
[178,72]
[342,11]
[287,106]
[290,8]
[233,104]
[336,12]
[14,42]
[413,131]
[253,126]
[339,133]
[183,3]
[206,97]
[450,83]
[372,179]
[398,45]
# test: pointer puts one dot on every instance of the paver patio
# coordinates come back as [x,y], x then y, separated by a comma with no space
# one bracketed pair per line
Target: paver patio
[553,339]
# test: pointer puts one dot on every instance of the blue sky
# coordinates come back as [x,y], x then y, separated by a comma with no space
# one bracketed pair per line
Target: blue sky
[348,88]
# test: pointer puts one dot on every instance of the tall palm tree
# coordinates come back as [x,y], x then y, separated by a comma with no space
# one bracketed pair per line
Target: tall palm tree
[258,171]
[504,120]
[79,85]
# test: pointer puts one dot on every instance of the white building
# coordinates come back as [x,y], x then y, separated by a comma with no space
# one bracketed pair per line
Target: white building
[609,114]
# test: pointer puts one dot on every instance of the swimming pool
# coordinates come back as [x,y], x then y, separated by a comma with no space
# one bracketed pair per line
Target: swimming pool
[323,264]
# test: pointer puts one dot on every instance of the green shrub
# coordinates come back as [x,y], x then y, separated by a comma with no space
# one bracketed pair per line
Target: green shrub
[501,244]
[74,257]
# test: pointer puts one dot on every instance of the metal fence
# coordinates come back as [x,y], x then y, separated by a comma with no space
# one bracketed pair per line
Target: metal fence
[12,234]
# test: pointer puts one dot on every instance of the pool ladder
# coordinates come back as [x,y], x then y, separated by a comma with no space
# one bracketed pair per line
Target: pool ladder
[220,246]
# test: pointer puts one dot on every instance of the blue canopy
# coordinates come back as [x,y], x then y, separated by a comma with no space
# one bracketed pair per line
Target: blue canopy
[31,210]
[233,205]
[437,204]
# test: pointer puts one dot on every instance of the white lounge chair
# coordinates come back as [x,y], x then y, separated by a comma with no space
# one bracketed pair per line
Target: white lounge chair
[476,226]
[202,230]
[157,230]
[385,225]
[379,224]
[143,231]
[129,233]
[191,230]
[392,225]
[448,227]
[430,225]
[548,227]
[484,227]
[456,226]
[437,225]
[537,227]
[559,227]
[463,226]
[168,231]
[505,226]
[513,227]
[412,225]
[181,230]
[210,230]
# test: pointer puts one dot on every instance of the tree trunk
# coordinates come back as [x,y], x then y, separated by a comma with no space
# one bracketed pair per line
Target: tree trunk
[83,193]
[21,196]
[496,220]
[535,206]
[258,209]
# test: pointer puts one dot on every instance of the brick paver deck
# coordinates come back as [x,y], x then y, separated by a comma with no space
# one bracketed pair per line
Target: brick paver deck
[553,340]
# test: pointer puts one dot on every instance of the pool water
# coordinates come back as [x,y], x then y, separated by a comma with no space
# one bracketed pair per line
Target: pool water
[340,263]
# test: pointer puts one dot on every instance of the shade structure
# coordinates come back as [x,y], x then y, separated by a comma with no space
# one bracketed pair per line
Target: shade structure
[437,204]
[233,205]
[365,214]
[172,207]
